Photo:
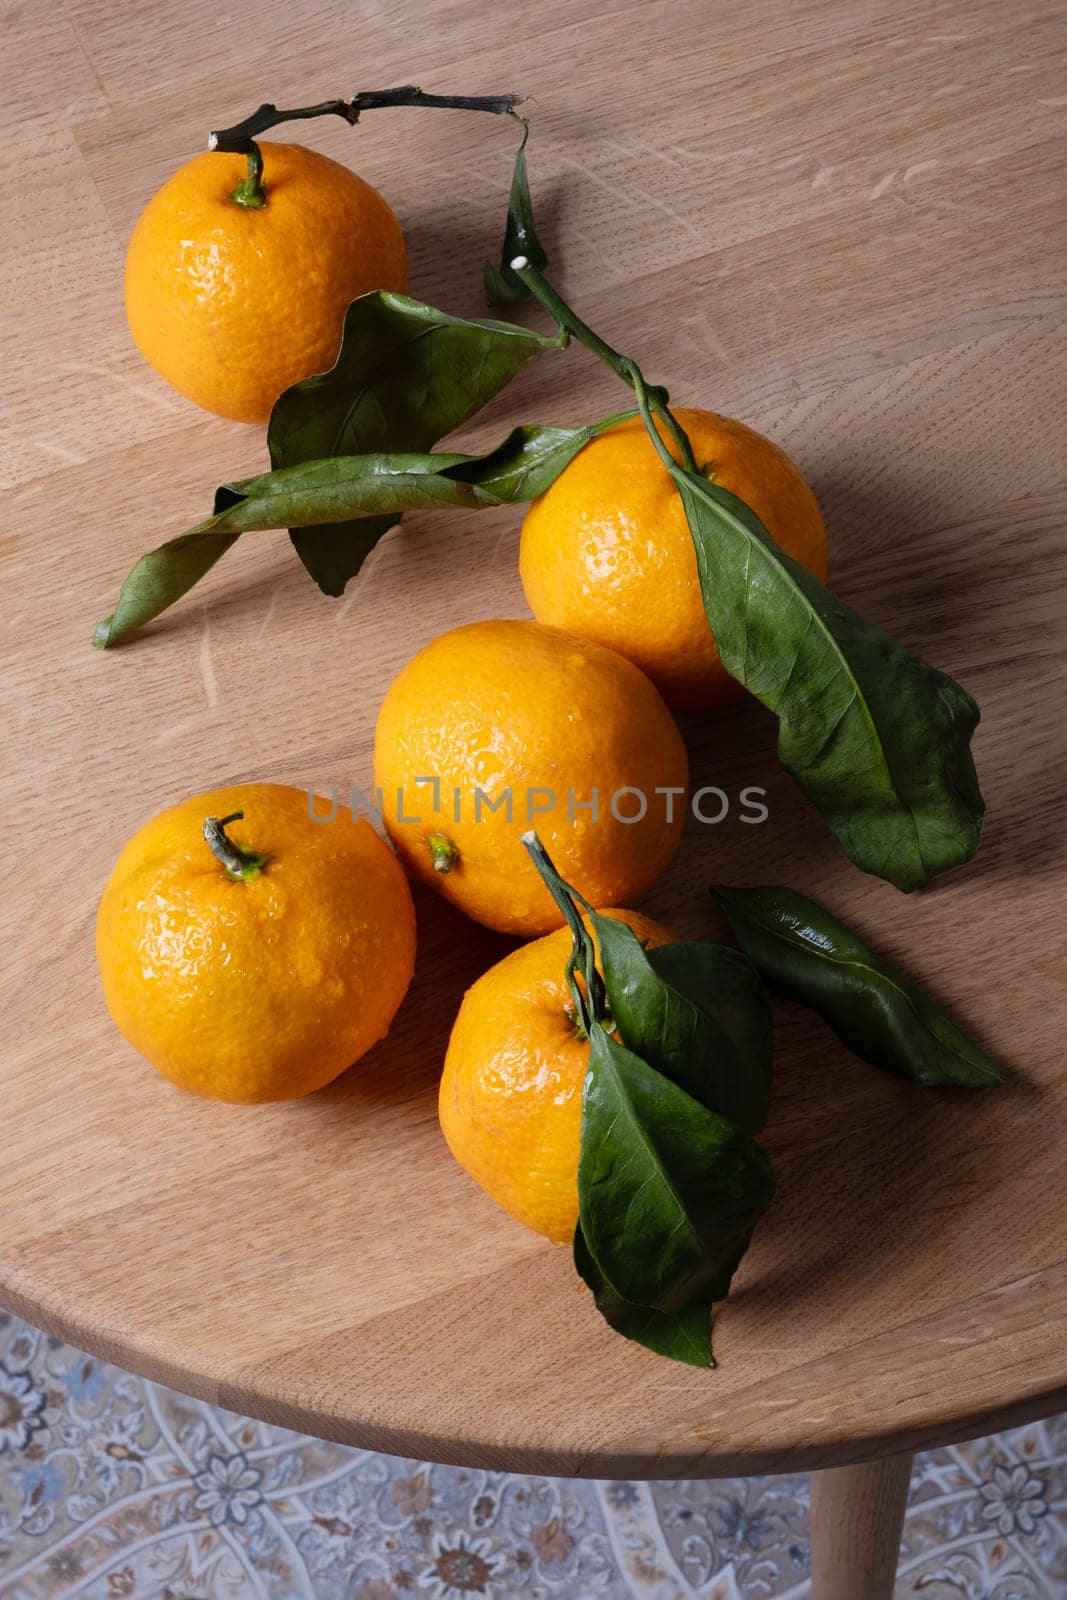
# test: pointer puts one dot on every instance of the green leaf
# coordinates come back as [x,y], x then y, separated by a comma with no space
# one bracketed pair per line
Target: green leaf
[668,1191]
[353,492]
[333,553]
[502,287]
[681,1335]
[529,460]
[807,955]
[346,487]
[406,375]
[698,1013]
[877,740]
[161,577]
[731,990]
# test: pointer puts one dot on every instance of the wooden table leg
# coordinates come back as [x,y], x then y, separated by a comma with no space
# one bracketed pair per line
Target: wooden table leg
[857,1515]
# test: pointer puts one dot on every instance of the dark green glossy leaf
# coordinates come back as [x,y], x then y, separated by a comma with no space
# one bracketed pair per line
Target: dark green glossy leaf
[161,577]
[346,487]
[529,460]
[406,375]
[333,553]
[730,988]
[681,1335]
[878,740]
[353,492]
[668,1191]
[698,1013]
[502,287]
[807,955]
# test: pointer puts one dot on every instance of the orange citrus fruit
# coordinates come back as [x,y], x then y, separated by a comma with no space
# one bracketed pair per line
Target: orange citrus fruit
[510,1100]
[497,727]
[231,304]
[606,551]
[262,964]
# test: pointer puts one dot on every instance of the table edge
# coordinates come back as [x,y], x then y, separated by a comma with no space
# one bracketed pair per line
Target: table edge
[244,1398]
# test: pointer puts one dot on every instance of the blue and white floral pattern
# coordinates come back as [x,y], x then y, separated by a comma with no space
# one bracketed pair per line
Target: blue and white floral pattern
[1014,1499]
[21,1409]
[115,1489]
[229,1488]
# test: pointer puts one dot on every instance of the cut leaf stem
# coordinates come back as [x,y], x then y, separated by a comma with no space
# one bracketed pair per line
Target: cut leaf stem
[590,1005]
[625,368]
[250,192]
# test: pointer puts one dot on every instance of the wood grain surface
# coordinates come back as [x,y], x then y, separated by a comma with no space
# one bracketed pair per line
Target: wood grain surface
[857,1515]
[843,223]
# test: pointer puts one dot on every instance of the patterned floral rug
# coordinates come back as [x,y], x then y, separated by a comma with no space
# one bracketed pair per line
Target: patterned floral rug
[111,1487]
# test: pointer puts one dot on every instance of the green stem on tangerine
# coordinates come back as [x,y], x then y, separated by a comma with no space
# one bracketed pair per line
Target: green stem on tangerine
[590,1004]
[240,864]
[443,853]
[623,366]
[241,138]
[250,192]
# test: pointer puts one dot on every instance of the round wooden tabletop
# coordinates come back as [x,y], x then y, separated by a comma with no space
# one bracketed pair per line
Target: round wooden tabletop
[835,222]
